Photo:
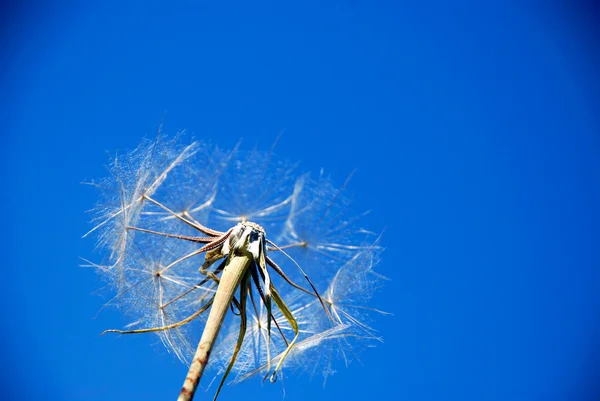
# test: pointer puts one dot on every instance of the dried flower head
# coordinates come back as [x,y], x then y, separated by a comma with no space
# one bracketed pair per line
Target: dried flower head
[282,253]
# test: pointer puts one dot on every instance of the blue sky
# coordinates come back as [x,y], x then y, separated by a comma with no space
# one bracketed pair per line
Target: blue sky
[473,129]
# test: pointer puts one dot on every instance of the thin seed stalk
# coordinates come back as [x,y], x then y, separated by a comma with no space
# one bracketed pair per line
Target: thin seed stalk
[234,272]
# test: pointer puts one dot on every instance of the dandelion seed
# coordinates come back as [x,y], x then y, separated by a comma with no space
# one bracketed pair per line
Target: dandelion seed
[255,187]
[323,227]
[188,232]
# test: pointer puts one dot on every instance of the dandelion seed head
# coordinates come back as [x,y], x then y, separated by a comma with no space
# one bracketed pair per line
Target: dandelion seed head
[152,221]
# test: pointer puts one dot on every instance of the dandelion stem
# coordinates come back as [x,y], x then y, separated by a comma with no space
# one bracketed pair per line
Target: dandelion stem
[235,269]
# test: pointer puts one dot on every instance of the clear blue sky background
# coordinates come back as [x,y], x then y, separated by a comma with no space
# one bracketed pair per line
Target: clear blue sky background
[474,131]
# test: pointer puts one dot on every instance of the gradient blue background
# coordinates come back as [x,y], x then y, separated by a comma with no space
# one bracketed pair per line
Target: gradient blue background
[474,130]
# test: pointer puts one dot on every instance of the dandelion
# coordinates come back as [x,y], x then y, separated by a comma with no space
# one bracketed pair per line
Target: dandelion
[235,260]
